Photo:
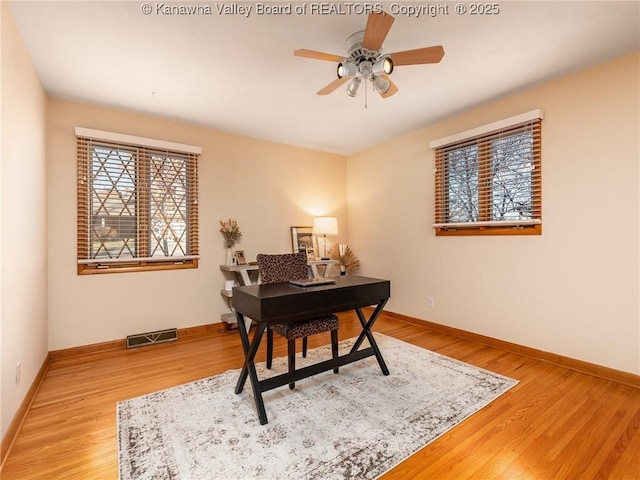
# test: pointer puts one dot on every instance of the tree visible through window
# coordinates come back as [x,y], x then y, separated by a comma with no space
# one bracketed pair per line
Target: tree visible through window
[137,207]
[512,175]
[490,184]
[462,195]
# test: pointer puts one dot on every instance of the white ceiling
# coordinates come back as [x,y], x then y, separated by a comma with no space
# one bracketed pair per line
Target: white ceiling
[238,74]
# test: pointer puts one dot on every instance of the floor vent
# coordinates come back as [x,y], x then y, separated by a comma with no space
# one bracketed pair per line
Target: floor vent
[151,338]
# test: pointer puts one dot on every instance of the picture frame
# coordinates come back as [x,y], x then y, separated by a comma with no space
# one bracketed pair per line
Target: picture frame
[240,259]
[302,238]
[311,254]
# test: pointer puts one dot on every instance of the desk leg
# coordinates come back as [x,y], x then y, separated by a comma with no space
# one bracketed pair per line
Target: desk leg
[245,280]
[249,367]
[366,332]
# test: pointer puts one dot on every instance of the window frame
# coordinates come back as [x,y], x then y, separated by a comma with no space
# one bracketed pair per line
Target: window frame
[481,138]
[145,150]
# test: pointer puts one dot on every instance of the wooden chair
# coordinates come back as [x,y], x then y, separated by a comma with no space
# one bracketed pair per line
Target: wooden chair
[281,268]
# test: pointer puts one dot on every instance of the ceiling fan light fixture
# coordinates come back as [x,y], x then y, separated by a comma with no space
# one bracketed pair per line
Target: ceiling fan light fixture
[352,88]
[366,60]
[383,65]
[381,85]
[347,69]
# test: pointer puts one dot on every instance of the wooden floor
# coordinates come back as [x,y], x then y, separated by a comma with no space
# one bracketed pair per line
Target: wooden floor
[555,424]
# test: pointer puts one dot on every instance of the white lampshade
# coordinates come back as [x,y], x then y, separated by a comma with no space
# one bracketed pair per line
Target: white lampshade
[325,226]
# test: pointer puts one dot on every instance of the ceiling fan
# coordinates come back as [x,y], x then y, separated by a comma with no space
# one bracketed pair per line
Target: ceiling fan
[367,61]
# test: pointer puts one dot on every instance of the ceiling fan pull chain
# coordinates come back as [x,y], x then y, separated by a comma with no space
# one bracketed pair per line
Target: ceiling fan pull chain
[365,94]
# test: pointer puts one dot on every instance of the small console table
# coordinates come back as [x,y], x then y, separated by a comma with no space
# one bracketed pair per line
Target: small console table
[244,279]
[242,271]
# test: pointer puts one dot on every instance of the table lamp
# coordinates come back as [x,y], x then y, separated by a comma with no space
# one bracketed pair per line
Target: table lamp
[325,226]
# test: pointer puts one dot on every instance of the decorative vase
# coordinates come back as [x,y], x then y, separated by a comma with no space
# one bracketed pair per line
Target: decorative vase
[229,258]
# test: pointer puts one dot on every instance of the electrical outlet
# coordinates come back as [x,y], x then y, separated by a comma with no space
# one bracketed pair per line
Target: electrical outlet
[430,302]
[18,372]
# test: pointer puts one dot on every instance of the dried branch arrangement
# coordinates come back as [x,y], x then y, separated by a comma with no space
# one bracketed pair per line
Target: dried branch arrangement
[343,254]
[231,232]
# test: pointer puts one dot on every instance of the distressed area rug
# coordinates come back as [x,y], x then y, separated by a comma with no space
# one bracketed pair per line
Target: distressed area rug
[356,424]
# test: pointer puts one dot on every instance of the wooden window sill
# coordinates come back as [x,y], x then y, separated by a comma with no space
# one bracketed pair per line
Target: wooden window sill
[485,230]
[97,268]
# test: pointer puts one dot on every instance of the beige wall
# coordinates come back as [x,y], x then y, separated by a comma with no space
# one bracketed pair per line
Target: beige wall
[23,253]
[266,187]
[572,291]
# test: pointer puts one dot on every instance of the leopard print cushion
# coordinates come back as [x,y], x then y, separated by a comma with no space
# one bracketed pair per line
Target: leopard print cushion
[306,328]
[292,266]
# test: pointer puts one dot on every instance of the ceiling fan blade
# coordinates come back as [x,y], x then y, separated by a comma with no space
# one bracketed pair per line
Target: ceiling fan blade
[332,86]
[418,56]
[392,88]
[378,26]
[329,57]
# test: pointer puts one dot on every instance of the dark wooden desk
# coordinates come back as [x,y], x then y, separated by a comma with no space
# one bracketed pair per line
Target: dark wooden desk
[281,302]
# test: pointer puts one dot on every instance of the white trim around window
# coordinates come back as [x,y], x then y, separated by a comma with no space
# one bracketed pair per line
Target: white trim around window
[134,140]
[488,128]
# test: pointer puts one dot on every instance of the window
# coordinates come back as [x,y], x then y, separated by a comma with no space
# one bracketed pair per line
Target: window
[137,203]
[488,181]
